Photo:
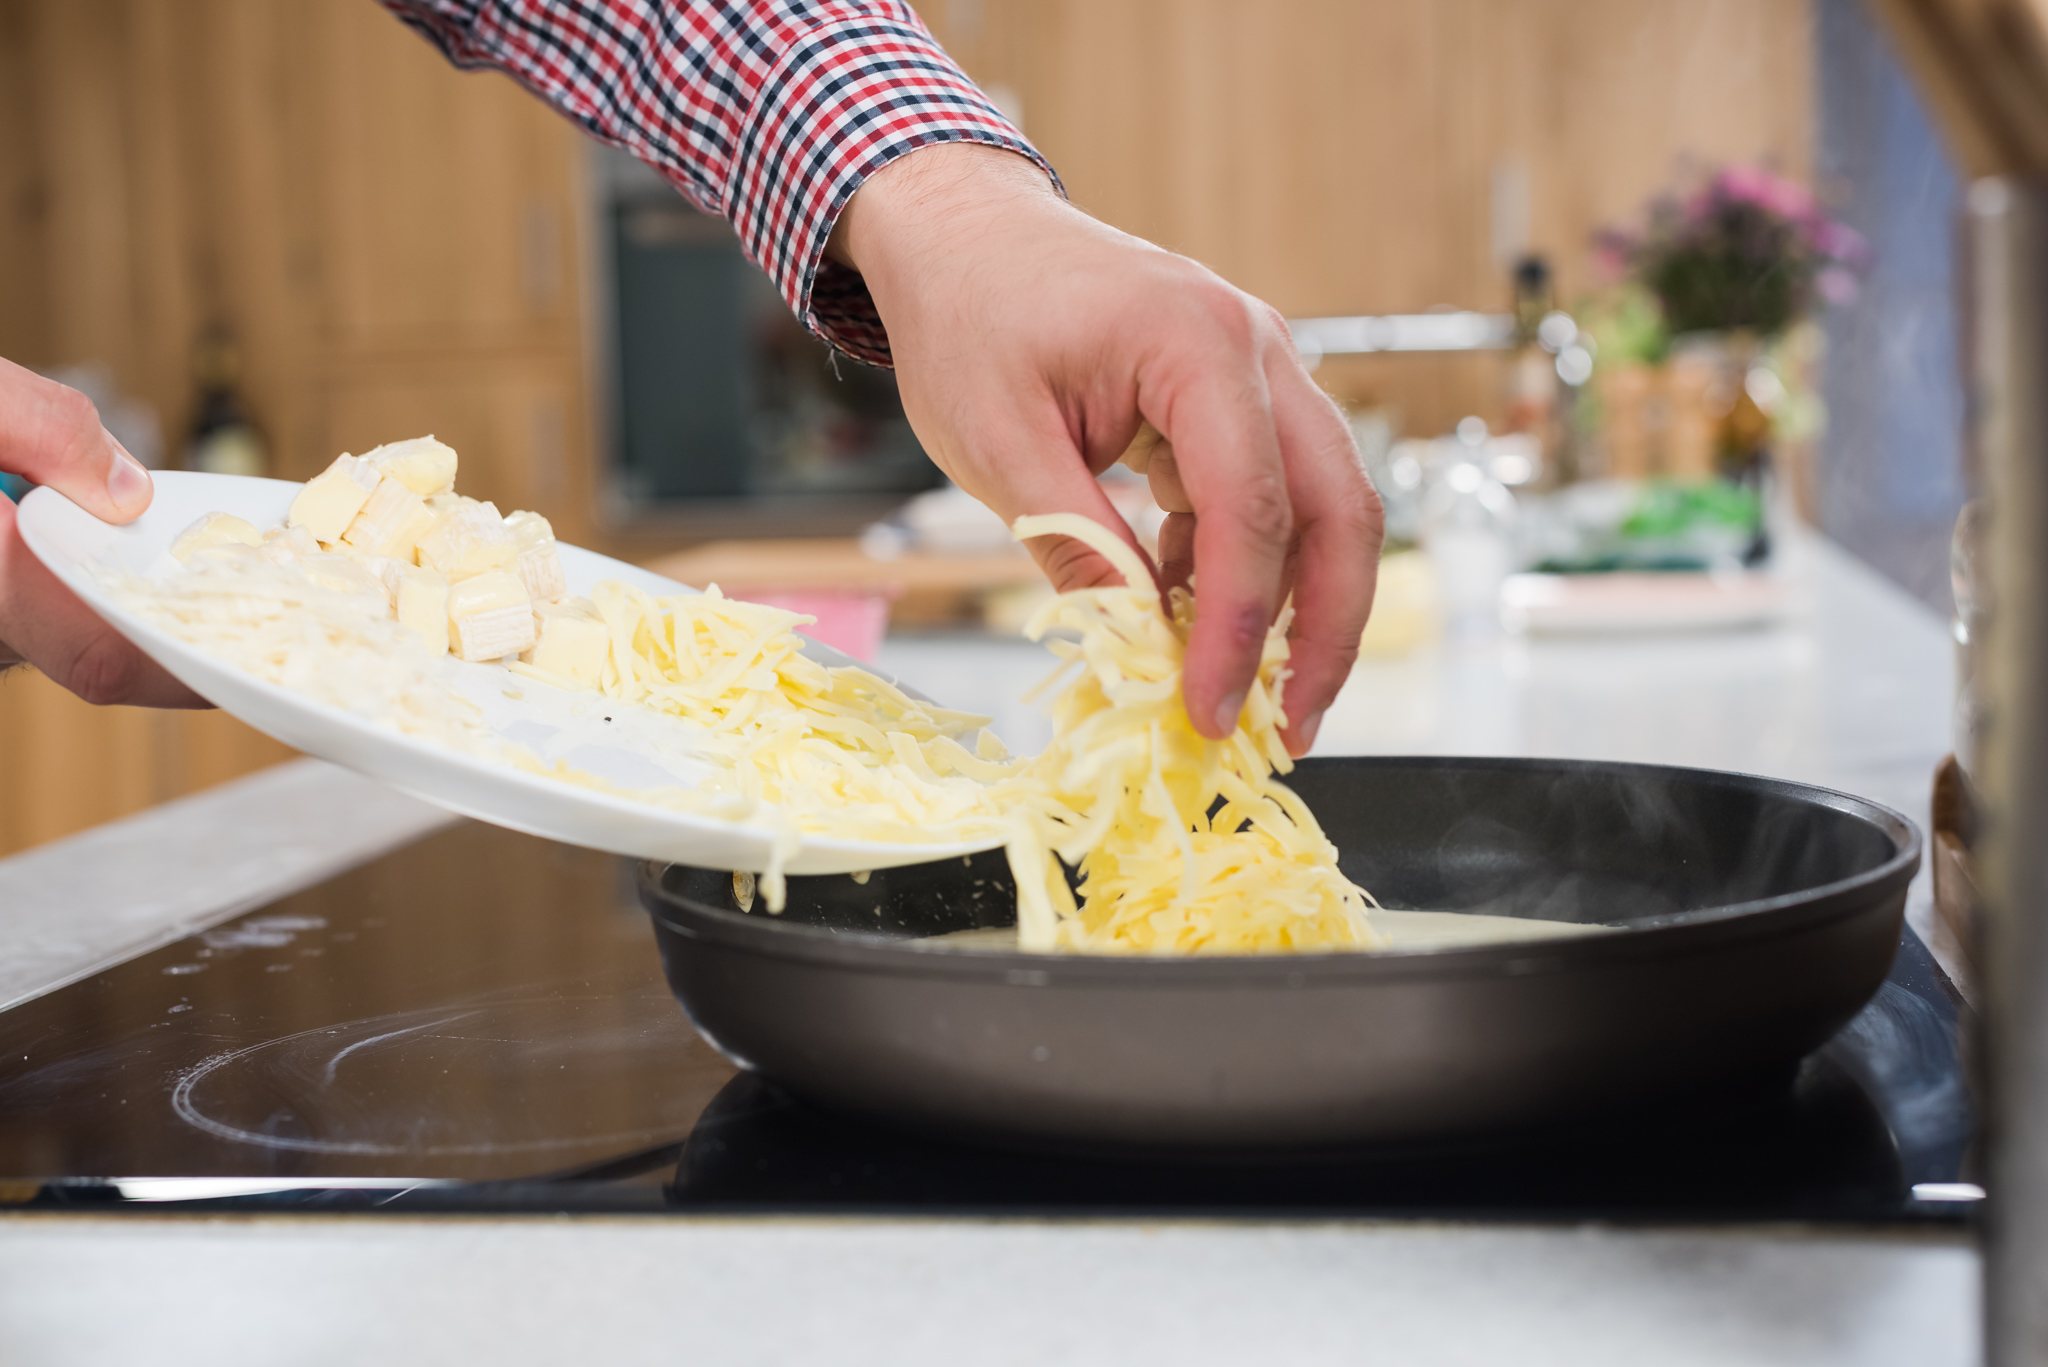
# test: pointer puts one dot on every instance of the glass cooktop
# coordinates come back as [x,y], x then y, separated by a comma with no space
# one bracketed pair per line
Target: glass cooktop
[478,1022]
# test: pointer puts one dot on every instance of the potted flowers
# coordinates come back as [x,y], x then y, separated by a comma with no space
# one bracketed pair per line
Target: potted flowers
[1714,285]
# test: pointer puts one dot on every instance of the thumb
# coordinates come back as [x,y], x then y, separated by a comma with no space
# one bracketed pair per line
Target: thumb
[51,435]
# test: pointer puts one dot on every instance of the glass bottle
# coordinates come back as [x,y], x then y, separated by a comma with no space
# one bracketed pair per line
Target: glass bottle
[1468,522]
[224,440]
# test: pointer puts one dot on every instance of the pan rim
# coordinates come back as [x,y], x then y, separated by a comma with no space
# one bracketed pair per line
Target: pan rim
[1655,937]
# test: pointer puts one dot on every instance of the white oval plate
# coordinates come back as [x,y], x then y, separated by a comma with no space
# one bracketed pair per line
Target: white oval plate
[622,742]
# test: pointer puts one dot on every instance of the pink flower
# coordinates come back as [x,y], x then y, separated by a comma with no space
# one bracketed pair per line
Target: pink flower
[1612,253]
[1757,186]
[1840,241]
[1837,285]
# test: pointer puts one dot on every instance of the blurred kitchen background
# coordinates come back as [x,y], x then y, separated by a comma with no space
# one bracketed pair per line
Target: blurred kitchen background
[1620,294]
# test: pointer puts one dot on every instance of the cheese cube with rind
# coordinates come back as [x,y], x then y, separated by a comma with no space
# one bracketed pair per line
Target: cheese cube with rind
[330,500]
[420,598]
[466,539]
[571,641]
[391,523]
[489,616]
[540,564]
[540,569]
[282,545]
[424,466]
[530,530]
[214,529]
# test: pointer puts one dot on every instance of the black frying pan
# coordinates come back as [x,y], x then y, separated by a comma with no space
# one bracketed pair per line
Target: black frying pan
[1757,917]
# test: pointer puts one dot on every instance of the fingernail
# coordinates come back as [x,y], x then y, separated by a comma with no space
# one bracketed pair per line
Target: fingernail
[1226,713]
[127,482]
[1306,731]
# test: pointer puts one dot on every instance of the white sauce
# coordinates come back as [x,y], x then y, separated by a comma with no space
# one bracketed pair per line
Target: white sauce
[1410,930]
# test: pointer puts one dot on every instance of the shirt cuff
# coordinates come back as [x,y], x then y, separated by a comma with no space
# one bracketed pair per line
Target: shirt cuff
[843,101]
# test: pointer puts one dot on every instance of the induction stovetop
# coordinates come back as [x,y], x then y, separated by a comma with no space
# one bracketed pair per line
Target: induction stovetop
[478,1022]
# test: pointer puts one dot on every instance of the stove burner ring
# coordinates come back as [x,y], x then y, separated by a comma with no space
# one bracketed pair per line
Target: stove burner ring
[522,1066]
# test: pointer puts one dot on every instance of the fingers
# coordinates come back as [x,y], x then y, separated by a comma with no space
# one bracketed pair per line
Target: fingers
[1226,452]
[1177,550]
[1338,532]
[1051,477]
[1138,455]
[69,642]
[1162,472]
[52,435]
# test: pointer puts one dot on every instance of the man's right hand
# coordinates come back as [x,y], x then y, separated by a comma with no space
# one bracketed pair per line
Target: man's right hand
[52,435]
[1033,343]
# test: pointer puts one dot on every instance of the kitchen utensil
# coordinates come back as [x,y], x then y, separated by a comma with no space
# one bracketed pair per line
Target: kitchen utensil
[1754,917]
[625,744]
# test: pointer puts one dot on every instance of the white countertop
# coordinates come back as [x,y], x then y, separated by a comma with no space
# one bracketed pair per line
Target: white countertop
[1854,694]
[351,1291]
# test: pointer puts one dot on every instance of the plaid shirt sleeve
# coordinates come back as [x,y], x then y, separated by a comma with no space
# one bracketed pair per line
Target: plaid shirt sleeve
[768,112]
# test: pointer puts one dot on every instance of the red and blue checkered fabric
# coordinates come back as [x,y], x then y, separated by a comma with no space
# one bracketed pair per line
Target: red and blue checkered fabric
[769,113]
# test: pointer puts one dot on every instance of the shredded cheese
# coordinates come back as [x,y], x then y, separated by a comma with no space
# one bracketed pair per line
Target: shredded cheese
[831,751]
[288,627]
[1182,844]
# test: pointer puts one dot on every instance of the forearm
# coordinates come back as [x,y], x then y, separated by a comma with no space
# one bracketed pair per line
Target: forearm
[910,207]
[1033,344]
[771,115]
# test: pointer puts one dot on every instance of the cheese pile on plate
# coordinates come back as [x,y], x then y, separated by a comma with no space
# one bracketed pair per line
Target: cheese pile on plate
[811,749]
[1182,844]
[454,571]
[837,749]
[381,571]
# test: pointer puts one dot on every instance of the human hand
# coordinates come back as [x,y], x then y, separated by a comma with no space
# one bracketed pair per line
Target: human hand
[1033,343]
[52,435]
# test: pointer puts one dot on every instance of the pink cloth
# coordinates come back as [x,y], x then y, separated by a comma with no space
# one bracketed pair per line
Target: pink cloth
[852,622]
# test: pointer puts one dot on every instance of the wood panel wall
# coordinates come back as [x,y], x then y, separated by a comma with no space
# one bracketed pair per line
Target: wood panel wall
[399,247]
[395,247]
[1341,156]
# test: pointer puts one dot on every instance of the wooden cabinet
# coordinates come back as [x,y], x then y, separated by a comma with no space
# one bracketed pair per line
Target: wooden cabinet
[394,244]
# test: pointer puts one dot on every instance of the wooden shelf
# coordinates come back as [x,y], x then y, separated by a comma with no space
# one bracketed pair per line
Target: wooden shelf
[927,590]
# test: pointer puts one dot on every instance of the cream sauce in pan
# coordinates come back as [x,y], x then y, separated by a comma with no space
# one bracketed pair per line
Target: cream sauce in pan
[1406,930]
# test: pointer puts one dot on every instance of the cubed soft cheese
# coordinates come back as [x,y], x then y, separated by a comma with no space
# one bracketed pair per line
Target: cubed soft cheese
[489,616]
[214,529]
[540,569]
[391,523]
[570,641]
[421,464]
[530,530]
[420,597]
[539,564]
[281,545]
[468,539]
[331,499]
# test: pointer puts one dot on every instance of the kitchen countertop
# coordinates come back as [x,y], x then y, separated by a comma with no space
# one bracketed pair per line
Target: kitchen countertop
[1854,693]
